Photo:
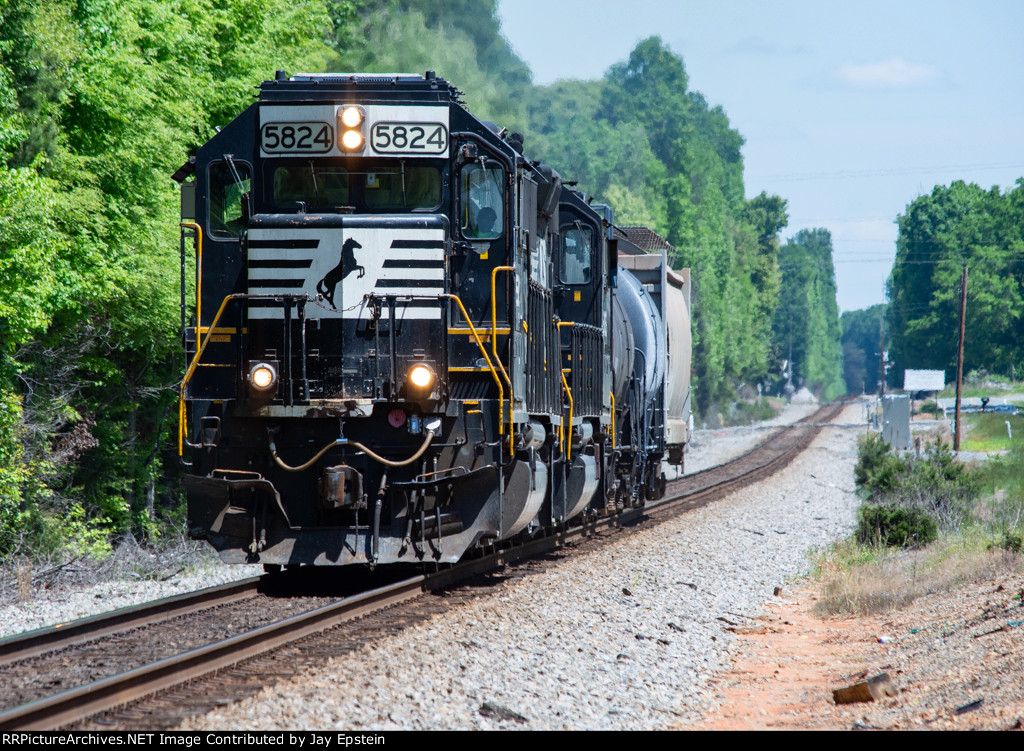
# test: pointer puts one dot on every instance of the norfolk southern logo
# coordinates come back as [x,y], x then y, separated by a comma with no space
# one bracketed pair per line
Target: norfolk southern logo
[340,274]
[329,284]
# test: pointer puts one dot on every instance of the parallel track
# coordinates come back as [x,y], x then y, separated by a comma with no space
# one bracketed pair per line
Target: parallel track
[34,643]
[74,705]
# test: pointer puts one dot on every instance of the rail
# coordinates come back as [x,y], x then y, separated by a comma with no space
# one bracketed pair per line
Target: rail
[78,703]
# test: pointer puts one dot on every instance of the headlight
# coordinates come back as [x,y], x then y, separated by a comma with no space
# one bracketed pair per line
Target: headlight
[263,376]
[351,127]
[421,376]
[352,140]
[351,117]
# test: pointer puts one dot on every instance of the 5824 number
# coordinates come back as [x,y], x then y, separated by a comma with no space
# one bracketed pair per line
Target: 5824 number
[292,138]
[409,138]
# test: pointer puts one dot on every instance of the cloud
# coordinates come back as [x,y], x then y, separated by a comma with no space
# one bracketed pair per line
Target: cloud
[894,73]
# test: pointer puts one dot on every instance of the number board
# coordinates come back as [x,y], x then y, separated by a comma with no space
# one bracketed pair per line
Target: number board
[296,130]
[409,138]
[296,138]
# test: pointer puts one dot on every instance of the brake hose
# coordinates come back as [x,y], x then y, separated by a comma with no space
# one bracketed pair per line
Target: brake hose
[356,444]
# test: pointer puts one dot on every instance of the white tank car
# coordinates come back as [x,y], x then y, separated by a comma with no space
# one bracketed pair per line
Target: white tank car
[656,301]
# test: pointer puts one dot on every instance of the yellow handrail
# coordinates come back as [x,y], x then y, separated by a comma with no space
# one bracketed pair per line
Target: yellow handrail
[568,444]
[209,333]
[494,323]
[562,435]
[612,395]
[494,345]
[490,365]
[199,271]
[192,369]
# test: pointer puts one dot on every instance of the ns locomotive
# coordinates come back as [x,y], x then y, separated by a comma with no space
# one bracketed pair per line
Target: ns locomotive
[409,341]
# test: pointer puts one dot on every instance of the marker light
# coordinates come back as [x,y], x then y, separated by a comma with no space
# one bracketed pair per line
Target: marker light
[263,376]
[351,117]
[421,376]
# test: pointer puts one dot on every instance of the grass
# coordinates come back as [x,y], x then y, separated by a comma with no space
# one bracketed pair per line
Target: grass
[987,432]
[983,386]
[1001,480]
[865,579]
[862,581]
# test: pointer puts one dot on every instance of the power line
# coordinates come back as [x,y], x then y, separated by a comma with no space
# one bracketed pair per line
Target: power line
[893,172]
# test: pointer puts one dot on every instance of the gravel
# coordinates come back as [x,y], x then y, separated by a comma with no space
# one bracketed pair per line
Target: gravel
[626,638]
[48,607]
[708,448]
[623,639]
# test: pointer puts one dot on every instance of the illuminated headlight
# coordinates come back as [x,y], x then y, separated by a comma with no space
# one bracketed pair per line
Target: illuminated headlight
[421,376]
[352,140]
[351,127]
[263,376]
[351,117]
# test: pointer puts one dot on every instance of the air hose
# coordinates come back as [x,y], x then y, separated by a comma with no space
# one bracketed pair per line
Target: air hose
[345,442]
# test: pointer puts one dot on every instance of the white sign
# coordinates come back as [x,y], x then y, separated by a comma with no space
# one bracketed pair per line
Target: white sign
[924,380]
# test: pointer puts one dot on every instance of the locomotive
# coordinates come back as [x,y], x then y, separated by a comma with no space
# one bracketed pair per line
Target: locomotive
[410,341]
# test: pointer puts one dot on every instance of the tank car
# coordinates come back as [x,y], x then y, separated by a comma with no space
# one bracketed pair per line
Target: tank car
[408,340]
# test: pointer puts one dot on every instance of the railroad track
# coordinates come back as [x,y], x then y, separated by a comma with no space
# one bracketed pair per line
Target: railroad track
[245,661]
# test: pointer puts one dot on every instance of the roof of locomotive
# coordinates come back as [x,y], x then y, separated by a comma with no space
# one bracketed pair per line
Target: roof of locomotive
[408,86]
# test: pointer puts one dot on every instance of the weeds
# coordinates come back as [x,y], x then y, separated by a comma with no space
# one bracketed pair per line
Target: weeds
[928,524]
[174,554]
[889,579]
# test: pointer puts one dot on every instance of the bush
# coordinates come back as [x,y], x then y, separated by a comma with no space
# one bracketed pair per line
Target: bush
[894,525]
[876,466]
[1011,541]
[935,483]
[747,412]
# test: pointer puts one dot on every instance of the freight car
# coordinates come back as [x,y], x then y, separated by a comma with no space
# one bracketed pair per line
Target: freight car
[410,341]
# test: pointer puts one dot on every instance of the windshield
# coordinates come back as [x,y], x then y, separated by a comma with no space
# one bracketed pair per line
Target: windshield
[576,254]
[368,185]
[482,201]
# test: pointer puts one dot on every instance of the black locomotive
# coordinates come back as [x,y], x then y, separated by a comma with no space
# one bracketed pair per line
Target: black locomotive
[410,340]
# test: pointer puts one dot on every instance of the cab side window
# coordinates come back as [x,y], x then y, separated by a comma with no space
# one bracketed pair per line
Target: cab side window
[575,264]
[482,196]
[226,196]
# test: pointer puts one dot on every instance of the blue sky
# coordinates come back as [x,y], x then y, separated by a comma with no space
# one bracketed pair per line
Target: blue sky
[849,111]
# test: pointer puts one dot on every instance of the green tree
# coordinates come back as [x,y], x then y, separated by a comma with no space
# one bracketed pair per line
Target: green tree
[861,348]
[957,226]
[100,101]
[806,322]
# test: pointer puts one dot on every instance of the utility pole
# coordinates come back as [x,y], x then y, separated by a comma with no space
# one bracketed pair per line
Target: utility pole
[960,358]
[881,359]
